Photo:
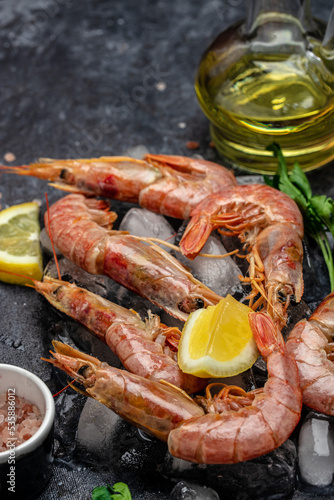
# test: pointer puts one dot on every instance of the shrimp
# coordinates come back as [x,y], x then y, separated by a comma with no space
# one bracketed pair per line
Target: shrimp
[170,185]
[270,225]
[230,427]
[80,229]
[135,342]
[151,406]
[310,343]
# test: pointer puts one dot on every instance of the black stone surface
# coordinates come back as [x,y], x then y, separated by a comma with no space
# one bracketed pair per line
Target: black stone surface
[93,78]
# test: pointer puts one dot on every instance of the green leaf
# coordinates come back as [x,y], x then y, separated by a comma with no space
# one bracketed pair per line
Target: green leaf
[119,491]
[271,181]
[325,209]
[284,183]
[318,211]
[299,179]
[323,205]
[282,168]
[102,493]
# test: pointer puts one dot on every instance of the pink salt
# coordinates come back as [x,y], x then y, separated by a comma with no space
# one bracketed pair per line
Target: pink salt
[28,419]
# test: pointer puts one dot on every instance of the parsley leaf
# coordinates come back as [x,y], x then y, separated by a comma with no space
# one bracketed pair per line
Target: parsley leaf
[119,491]
[318,211]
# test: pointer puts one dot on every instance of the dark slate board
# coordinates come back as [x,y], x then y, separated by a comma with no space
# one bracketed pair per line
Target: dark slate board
[80,79]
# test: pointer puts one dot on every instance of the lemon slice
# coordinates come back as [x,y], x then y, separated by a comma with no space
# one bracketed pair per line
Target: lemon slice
[218,341]
[20,250]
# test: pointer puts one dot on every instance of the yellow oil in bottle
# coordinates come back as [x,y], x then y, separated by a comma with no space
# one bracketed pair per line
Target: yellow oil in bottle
[265,98]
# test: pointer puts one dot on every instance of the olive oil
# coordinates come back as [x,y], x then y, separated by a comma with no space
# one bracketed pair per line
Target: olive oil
[265,98]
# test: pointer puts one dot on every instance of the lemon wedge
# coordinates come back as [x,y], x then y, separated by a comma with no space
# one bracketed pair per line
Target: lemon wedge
[20,250]
[218,341]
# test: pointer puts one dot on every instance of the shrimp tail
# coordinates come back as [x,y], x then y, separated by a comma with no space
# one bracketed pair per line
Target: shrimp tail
[267,336]
[195,236]
[180,163]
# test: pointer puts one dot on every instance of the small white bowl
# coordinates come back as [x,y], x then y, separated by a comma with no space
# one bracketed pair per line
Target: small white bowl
[25,470]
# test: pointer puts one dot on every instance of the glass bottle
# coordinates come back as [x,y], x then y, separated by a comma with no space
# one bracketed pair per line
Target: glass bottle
[270,78]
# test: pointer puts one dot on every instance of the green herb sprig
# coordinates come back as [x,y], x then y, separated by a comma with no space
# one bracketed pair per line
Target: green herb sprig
[318,211]
[119,491]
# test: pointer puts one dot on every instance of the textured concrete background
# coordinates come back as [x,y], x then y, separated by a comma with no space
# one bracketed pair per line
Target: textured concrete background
[94,78]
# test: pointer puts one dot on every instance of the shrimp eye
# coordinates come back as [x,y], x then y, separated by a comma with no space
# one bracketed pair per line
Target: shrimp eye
[190,304]
[82,370]
[200,303]
[281,295]
[63,173]
[55,292]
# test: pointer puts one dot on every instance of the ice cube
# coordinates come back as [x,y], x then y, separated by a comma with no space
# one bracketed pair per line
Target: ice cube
[142,222]
[179,468]
[69,405]
[97,431]
[316,450]
[270,474]
[250,179]
[104,437]
[74,274]
[137,152]
[191,491]
[220,275]
[46,244]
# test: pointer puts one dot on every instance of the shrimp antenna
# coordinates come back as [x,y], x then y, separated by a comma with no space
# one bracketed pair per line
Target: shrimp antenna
[254,283]
[20,276]
[178,249]
[51,239]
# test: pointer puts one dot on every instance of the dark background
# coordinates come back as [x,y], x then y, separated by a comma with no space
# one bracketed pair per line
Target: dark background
[93,78]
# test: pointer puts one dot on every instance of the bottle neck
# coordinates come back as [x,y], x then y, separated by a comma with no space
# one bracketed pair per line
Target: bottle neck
[328,41]
[275,26]
[260,12]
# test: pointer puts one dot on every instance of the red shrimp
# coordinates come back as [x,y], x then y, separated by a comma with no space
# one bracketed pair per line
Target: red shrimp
[142,346]
[152,406]
[270,225]
[80,228]
[169,185]
[230,427]
[311,345]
